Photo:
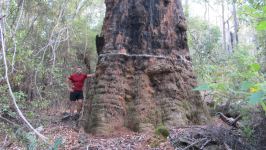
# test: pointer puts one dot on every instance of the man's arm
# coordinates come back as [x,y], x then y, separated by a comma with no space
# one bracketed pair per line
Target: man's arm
[90,75]
[69,84]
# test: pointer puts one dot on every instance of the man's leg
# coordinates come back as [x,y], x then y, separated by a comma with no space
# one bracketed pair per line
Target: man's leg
[79,105]
[72,103]
[79,102]
[72,107]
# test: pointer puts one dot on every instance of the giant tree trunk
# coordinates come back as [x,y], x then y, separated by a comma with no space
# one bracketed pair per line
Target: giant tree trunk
[144,74]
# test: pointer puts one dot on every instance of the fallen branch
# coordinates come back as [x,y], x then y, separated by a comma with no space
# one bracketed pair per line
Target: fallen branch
[194,143]
[234,123]
[229,121]
[193,126]
[227,146]
[204,145]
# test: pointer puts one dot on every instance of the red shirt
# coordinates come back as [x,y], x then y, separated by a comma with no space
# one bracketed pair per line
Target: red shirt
[77,81]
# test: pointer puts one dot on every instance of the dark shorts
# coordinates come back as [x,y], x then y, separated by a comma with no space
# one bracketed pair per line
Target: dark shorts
[76,95]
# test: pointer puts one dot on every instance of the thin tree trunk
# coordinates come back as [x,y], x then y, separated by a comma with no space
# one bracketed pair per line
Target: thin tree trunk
[230,38]
[223,24]
[186,8]
[235,24]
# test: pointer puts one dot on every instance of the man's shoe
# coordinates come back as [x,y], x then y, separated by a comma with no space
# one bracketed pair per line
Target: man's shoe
[76,116]
[66,116]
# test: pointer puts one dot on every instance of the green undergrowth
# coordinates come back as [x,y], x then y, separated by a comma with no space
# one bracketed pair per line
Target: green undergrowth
[162,131]
[160,136]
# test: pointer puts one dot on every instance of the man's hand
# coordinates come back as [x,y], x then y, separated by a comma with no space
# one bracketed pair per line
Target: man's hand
[90,75]
[70,90]
[69,85]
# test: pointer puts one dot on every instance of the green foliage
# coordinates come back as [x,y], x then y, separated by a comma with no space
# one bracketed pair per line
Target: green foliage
[32,141]
[238,77]
[202,87]
[203,39]
[162,130]
[255,12]
[20,96]
[28,138]
[263,105]
[258,94]
[248,131]
[256,97]
[245,85]
[57,143]
[246,121]
[261,25]
[38,104]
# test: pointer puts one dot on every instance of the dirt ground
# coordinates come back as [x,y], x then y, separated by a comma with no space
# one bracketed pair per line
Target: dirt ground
[74,138]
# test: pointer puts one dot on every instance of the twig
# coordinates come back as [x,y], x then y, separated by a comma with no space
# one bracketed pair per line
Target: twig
[2,17]
[193,127]
[4,143]
[236,119]
[8,121]
[184,127]
[207,142]
[227,147]
[194,143]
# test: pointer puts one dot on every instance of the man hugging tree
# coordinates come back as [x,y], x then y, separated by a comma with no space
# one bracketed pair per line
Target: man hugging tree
[75,87]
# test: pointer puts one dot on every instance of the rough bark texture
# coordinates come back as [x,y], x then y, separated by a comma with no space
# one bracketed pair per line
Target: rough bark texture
[144,74]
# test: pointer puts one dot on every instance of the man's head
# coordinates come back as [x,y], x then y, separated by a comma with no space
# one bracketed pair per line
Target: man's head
[78,69]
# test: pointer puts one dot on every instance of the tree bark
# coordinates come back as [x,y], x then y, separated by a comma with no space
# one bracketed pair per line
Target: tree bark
[235,24]
[144,74]
[224,31]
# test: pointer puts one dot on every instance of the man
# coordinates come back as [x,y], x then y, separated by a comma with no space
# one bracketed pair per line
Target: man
[76,83]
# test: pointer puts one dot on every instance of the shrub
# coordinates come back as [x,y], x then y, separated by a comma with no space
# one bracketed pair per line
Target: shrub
[162,130]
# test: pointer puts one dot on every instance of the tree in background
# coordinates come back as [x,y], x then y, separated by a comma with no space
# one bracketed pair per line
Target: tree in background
[237,77]
[253,13]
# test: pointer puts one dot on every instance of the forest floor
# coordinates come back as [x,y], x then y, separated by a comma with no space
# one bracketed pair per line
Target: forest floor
[74,138]
[217,134]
